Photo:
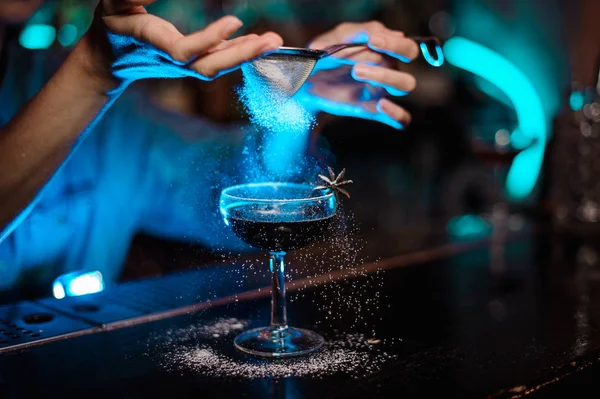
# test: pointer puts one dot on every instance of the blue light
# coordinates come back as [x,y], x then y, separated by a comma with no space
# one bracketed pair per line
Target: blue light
[286,124]
[332,203]
[67,35]
[77,284]
[493,91]
[316,103]
[433,61]
[58,290]
[37,37]
[518,38]
[576,100]
[519,141]
[468,226]
[483,62]
[89,283]
[44,14]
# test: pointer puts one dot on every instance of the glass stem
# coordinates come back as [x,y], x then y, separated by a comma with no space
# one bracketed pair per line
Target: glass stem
[278,306]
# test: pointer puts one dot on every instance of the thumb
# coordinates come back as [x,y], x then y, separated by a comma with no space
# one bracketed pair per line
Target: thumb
[115,7]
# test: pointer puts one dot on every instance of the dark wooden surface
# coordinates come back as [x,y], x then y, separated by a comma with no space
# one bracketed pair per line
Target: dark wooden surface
[458,327]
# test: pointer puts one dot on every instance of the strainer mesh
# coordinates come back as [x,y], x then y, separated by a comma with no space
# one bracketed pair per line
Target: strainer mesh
[282,74]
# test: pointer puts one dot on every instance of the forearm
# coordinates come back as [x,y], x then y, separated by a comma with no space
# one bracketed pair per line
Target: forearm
[40,137]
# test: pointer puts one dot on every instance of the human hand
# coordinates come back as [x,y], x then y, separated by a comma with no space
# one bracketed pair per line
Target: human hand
[355,81]
[136,45]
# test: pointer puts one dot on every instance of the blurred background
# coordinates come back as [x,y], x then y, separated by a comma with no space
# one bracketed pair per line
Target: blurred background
[519,77]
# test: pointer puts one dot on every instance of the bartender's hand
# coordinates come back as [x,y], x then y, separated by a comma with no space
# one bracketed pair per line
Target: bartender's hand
[137,45]
[355,81]
[124,44]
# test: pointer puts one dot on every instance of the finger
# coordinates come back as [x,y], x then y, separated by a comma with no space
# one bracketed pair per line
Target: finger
[361,54]
[114,7]
[164,36]
[348,32]
[221,62]
[395,46]
[323,41]
[395,82]
[146,28]
[351,30]
[228,43]
[202,41]
[398,116]
[396,33]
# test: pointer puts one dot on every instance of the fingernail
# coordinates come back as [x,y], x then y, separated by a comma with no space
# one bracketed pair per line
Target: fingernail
[391,109]
[234,25]
[362,71]
[270,46]
[377,41]
[386,105]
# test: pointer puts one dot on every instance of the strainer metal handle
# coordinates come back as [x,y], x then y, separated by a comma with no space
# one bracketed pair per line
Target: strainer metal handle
[285,70]
[428,45]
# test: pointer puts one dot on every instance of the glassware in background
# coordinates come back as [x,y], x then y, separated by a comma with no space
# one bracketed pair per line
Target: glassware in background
[575,185]
[278,217]
[576,168]
[498,153]
[575,199]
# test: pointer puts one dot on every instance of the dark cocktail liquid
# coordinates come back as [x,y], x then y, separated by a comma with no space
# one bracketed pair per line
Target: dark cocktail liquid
[274,232]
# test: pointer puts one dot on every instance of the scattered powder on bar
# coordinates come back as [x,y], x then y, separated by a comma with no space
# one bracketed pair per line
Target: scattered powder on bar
[218,328]
[193,349]
[209,362]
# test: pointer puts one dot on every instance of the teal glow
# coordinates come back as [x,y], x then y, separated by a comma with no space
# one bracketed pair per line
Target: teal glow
[77,284]
[44,14]
[67,35]
[527,38]
[89,283]
[286,125]
[471,226]
[436,61]
[37,37]
[576,100]
[493,91]
[58,290]
[519,141]
[496,69]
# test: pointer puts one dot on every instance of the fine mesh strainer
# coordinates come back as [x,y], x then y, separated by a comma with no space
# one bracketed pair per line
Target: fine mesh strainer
[285,70]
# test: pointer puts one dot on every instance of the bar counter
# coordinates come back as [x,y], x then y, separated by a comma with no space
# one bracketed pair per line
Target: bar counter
[456,319]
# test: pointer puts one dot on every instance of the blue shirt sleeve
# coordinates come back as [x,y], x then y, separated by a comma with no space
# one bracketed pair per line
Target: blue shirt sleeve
[189,161]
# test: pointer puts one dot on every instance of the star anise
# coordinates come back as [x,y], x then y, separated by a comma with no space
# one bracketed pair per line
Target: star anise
[334,182]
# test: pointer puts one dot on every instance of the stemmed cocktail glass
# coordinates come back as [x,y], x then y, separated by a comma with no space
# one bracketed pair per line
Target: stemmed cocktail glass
[278,217]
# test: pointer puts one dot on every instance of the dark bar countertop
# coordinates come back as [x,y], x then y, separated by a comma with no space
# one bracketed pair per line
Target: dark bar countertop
[452,320]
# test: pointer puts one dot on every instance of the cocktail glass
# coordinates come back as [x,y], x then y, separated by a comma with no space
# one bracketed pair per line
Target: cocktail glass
[278,217]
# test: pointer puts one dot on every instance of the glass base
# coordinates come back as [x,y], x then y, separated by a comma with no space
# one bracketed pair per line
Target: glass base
[278,342]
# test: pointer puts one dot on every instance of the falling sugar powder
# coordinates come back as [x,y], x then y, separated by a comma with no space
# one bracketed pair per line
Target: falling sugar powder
[356,301]
[269,110]
[284,123]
